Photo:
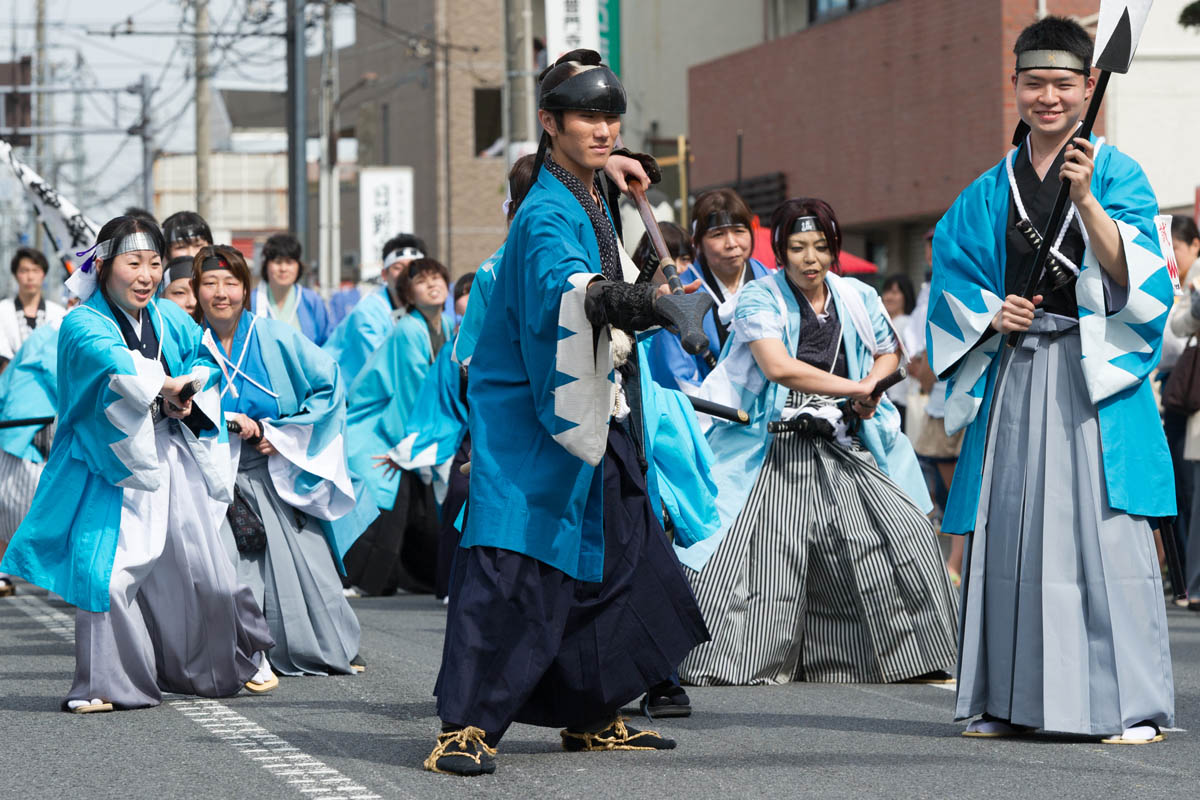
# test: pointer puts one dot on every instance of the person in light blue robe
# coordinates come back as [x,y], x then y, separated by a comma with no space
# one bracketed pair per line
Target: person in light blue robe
[300,306]
[825,567]
[400,548]
[1064,456]
[121,525]
[366,327]
[28,390]
[722,242]
[287,397]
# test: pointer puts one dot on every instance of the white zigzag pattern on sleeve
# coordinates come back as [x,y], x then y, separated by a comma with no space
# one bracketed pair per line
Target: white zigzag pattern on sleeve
[586,401]
[131,416]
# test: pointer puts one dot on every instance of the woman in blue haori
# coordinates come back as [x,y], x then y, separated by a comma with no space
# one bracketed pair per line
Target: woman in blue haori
[399,550]
[1064,457]
[122,524]
[286,397]
[279,294]
[723,240]
[367,326]
[28,390]
[826,568]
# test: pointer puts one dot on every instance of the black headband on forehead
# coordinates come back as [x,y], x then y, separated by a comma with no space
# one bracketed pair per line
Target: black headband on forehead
[1051,59]
[806,224]
[185,233]
[180,267]
[722,219]
[213,263]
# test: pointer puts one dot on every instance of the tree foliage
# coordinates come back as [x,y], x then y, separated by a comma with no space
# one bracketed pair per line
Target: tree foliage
[1190,16]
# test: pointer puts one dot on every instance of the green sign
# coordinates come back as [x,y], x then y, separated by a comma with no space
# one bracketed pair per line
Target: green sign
[610,33]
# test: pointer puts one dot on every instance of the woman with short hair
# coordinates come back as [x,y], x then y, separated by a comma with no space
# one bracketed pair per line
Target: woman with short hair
[825,567]
[293,498]
[281,296]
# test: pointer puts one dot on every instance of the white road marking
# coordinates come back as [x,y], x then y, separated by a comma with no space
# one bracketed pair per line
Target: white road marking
[312,778]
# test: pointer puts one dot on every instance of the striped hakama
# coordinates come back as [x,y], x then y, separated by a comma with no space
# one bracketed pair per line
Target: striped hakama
[829,574]
[1064,626]
[18,482]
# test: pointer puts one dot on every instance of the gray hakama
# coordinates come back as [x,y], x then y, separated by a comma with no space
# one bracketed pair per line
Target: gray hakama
[294,580]
[830,574]
[1081,647]
[178,620]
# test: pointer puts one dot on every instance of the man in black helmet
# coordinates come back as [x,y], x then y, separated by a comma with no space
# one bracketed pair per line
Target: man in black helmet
[566,600]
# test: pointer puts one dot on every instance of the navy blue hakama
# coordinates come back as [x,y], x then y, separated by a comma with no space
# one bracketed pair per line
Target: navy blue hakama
[527,643]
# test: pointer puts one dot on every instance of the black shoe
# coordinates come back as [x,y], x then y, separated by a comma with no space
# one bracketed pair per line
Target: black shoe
[617,736]
[462,752]
[666,700]
[937,676]
[357,664]
[1193,605]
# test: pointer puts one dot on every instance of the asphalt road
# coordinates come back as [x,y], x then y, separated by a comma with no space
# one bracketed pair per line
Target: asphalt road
[365,736]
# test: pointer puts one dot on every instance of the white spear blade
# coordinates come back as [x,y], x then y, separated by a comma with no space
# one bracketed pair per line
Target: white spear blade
[1118,30]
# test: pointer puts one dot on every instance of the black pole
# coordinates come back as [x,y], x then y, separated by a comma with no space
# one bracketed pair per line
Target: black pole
[1060,202]
[32,422]
[297,121]
[717,410]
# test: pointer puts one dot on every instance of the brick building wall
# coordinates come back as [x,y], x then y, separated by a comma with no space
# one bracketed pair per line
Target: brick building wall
[476,222]
[887,113]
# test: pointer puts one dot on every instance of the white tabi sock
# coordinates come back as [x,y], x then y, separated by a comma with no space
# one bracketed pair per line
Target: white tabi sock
[74,704]
[264,673]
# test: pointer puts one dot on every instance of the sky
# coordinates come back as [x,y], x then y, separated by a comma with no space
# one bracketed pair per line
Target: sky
[113,163]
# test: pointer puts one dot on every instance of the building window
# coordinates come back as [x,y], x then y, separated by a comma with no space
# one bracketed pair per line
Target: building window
[489,126]
[789,16]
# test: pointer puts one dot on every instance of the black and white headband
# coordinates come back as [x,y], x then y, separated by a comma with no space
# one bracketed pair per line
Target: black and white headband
[806,224]
[82,282]
[404,252]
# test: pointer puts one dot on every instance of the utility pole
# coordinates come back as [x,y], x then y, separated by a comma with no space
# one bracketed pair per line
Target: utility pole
[203,124]
[327,185]
[39,64]
[77,152]
[297,121]
[147,146]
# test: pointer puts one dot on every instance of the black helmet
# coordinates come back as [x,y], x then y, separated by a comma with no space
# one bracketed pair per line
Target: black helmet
[594,89]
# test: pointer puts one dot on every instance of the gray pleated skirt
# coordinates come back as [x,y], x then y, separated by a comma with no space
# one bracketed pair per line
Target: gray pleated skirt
[295,581]
[178,620]
[830,574]
[1064,626]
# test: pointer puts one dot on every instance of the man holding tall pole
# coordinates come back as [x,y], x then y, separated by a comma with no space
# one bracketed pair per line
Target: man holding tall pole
[1064,458]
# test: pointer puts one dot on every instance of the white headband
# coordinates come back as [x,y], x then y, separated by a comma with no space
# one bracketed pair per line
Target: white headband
[82,282]
[403,252]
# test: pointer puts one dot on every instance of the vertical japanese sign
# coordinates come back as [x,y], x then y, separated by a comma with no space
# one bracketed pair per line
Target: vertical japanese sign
[571,24]
[385,201]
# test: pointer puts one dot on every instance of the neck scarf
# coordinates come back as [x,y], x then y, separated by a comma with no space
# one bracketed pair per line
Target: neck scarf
[606,238]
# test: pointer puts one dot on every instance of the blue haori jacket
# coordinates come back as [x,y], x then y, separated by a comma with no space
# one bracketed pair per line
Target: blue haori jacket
[541,389]
[767,309]
[105,444]
[278,377]
[381,398]
[29,389]
[311,313]
[477,305]
[1120,348]
[361,333]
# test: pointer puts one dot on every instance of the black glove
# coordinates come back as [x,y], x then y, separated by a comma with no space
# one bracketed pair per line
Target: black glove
[628,306]
[646,160]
